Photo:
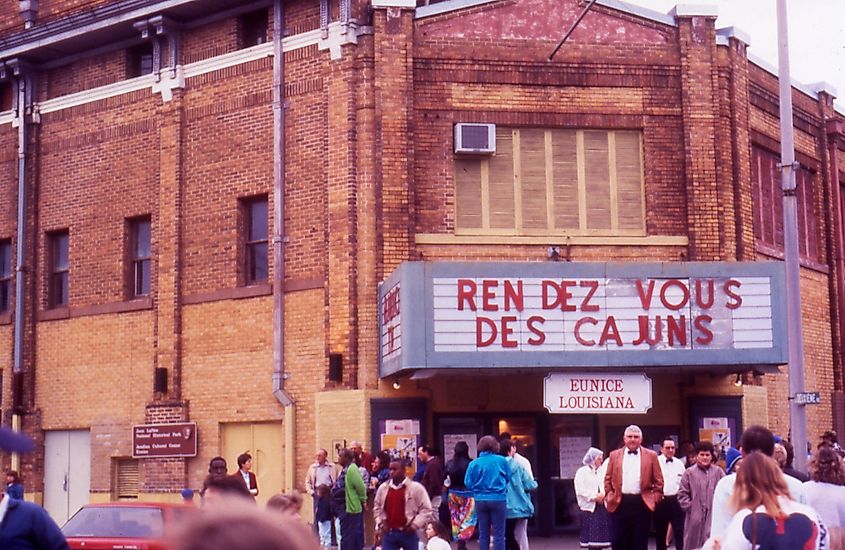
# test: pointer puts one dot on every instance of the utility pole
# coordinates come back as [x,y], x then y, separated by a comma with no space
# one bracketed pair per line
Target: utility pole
[797,414]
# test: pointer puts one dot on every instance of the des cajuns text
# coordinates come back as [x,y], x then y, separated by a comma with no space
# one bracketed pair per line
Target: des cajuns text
[674,329]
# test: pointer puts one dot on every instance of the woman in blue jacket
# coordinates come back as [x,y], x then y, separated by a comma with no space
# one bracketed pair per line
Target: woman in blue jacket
[488,477]
[519,504]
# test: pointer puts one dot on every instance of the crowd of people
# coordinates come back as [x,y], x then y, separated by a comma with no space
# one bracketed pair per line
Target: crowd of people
[758,501]
[440,503]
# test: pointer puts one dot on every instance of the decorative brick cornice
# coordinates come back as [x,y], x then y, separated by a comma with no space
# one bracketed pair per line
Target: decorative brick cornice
[339,34]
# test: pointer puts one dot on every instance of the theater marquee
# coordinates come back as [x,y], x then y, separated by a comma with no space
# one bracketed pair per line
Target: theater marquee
[527,315]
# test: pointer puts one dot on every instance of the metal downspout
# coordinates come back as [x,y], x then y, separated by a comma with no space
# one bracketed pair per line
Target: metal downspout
[279,375]
[20,261]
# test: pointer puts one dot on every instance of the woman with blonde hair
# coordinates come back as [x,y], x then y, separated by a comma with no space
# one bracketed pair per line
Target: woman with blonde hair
[766,516]
[825,491]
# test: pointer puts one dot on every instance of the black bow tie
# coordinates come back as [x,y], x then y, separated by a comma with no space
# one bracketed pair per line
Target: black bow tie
[632,452]
[668,461]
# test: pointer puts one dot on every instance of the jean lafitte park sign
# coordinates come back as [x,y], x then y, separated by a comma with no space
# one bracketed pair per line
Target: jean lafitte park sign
[557,316]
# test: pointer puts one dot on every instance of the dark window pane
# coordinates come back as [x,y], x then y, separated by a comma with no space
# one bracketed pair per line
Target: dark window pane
[60,251]
[5,289]
[5,260]
[142,278]
[142,239]
[140,60]
[60,289]
[6,93]
[253,27]
[258,220]
[258,262]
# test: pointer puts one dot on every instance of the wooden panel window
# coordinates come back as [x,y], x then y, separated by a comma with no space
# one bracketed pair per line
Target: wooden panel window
[127,479]
[5,275]
[58,268]
[552,182]
[768,206]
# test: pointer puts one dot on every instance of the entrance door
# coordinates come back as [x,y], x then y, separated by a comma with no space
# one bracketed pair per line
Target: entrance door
[67,472]
[570,438]
[264,441]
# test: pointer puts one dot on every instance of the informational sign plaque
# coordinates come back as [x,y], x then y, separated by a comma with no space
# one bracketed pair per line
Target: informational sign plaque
[597,393]
[164,440]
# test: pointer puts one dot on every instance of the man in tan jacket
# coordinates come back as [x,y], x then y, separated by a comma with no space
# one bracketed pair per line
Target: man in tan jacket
[401,508]
[633,485]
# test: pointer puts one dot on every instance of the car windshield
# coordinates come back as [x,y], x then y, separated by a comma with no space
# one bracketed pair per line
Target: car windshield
[118,522]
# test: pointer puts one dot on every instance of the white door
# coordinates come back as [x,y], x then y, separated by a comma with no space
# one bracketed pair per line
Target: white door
[67,472]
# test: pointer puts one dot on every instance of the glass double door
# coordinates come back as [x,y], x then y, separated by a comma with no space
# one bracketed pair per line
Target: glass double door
[549,442]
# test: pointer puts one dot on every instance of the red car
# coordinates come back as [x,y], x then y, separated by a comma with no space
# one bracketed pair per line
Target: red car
[123,525]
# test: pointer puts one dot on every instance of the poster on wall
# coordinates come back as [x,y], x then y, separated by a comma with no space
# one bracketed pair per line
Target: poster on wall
[401,447]
[718,431]
[402,427]
[399,438]
[450,440]
[572,451]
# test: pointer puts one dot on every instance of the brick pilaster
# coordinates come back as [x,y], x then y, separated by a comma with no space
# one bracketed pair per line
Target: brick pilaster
[394,28]
[369,249]
[830,139]
[699,87]
[167,474]
[739,137]
[167,245]
[340,81]
[164,475]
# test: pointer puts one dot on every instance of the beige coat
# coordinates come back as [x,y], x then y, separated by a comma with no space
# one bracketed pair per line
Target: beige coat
[418,511]
[311,476]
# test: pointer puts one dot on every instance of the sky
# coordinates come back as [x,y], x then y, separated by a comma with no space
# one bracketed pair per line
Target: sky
[816,34]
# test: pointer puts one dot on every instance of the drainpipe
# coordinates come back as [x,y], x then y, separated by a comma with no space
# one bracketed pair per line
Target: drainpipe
[279,239]
[23,95]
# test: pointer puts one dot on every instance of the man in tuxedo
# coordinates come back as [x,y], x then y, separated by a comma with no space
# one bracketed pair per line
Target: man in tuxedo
[633,486]
[245,475]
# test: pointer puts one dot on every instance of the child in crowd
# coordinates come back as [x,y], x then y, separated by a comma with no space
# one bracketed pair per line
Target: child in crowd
[438,536]
[324,515]
[286,503]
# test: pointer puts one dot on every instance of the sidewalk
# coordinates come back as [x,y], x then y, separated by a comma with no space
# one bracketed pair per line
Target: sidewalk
[559,542]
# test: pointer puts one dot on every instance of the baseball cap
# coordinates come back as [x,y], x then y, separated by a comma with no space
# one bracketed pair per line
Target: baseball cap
[730,458]
[15,442]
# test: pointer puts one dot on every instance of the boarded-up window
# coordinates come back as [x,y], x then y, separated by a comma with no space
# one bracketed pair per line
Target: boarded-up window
[127,479]
[768,205]
[544,182]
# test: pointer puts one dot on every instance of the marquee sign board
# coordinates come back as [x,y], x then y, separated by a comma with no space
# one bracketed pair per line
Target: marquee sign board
[554,314]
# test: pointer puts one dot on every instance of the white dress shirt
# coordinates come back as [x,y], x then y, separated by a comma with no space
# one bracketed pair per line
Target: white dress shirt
[631,472]
[672,472]
[4,505]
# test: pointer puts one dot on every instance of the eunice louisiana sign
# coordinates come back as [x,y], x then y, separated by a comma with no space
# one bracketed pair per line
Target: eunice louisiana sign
[569,314]
[597,393]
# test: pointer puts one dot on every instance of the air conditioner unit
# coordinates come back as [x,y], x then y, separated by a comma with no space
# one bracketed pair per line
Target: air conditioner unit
[475,139]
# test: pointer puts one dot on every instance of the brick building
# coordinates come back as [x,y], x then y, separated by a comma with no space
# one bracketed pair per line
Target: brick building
[150,145]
